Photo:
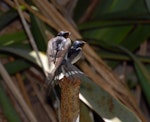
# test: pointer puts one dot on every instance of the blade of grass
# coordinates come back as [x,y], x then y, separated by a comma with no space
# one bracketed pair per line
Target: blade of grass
[144,79]
[136,40]
[29,35]
[16,93]
[4,21]
[43,18]
[11,38]
[121,57]
[7,107]
[38,30]
[21,86]
[103,24]
[41,98]
[28,55]
[147,2]
[17,66]
[142,72]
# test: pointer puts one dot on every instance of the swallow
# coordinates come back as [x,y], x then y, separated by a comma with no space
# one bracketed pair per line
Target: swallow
[56,51]
[67,68]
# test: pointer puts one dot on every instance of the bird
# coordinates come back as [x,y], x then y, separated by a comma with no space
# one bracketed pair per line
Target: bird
[75,52]
[56,51]
[67,67]
[62,54]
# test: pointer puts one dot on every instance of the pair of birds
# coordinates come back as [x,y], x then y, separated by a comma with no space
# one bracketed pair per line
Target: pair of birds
[62,54]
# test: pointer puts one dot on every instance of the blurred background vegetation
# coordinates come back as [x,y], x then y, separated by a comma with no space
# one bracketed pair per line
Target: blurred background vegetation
[116,58]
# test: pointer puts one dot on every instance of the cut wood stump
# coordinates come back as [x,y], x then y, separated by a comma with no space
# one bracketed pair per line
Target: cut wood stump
[70,99]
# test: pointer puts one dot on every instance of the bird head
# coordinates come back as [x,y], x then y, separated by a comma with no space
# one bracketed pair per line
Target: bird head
[78,44]
[64,34]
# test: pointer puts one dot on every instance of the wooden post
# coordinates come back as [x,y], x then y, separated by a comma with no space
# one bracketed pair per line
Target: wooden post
[69,99]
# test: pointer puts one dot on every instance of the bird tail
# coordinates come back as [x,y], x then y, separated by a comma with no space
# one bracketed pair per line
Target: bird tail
[67,70]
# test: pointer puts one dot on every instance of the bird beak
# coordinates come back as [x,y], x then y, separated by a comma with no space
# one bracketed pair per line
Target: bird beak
[82,43]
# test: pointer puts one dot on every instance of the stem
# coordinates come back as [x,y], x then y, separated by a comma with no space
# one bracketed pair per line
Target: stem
[70,99]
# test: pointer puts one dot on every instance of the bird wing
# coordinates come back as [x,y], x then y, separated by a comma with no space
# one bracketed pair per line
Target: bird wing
[56,51]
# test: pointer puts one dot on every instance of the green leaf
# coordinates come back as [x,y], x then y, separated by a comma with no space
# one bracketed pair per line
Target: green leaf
[105,105]
[142,72]
[104,24]
[7,17]
[107,34]
[119,9]
[28,55]
[12,38]
[144,79]
[121,57]
[136,37]
[148,5]
[17,66]
[7,107]
[38,31]
[80,8]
